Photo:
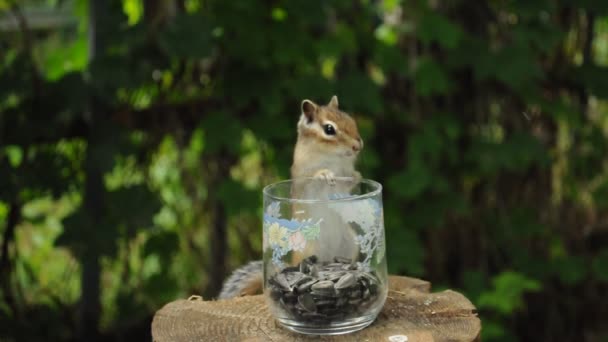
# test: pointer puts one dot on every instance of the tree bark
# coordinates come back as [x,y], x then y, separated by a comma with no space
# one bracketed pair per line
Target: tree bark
[217,169]
[90,300]
[14,215]
[589,34]
[91,268]
[219,246]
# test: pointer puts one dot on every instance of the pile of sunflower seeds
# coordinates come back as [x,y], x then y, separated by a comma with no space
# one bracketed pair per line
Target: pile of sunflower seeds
[324,292]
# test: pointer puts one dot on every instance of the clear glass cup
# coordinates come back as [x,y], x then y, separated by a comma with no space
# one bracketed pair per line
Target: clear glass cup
[324,254]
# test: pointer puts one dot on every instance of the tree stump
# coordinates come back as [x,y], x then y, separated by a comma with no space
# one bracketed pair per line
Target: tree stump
[411,313]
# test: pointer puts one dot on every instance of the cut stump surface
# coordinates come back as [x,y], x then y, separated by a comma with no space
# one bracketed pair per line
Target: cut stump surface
[411,313]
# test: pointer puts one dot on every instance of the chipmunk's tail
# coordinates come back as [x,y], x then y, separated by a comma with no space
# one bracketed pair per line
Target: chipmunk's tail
[244,281]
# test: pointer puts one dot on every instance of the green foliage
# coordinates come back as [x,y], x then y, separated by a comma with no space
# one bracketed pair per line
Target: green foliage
[430,79]
[600,265]
[434,27]
[143,137]
[506,296]
[595,77]
[199,46]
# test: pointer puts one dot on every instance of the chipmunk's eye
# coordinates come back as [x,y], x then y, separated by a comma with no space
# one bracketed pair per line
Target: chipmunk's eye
[329,129]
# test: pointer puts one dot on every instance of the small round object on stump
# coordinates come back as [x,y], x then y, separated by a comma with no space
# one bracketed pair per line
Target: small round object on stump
[411,313]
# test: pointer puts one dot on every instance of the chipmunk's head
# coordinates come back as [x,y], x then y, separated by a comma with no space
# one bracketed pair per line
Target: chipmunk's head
[334,130]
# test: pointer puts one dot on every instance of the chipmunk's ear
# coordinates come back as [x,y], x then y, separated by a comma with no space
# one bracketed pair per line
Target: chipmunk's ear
[309,109]
[333,103]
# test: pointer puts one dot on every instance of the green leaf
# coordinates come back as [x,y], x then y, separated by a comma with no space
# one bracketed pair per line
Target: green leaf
[360,94]
[600,265]
[278,14]
[164,244]
[516,154]
[406,256]
[544,37]
[594,77]
[127,210]
[519,68]
[434,27]
[222,131]
[571,270]
[187,36]
[410,183]
[507,295]
[391,59]
[492,330]
[599,8]
[132,206]
[600,196]
[237,199]
[134,10]
[71,58]
[387,34]
[75,233]
[430,78]
[474,283]
[14,154]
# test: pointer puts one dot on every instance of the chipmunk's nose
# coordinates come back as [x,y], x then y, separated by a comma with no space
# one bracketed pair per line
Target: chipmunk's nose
[358,146]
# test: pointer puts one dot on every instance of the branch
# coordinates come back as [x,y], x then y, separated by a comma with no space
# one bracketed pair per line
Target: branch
[26,33]
[14,215]
[587,55]
[589,36]
[23,27]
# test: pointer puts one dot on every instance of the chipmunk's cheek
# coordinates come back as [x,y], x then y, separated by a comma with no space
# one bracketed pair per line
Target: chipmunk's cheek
[349,153]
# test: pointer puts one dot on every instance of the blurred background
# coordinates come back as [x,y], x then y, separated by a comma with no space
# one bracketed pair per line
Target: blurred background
[136,136]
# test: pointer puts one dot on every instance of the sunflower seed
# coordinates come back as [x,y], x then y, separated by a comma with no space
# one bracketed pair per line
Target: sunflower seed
[325,286]
[324,292]
[307,303]
[346,281]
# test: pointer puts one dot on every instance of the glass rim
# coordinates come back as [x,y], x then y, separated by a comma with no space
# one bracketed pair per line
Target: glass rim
[378,189]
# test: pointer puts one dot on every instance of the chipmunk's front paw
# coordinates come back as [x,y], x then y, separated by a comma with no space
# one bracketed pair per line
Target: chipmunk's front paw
[327,175]
[357,176]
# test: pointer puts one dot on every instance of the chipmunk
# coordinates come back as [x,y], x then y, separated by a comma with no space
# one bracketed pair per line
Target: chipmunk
[327,147]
